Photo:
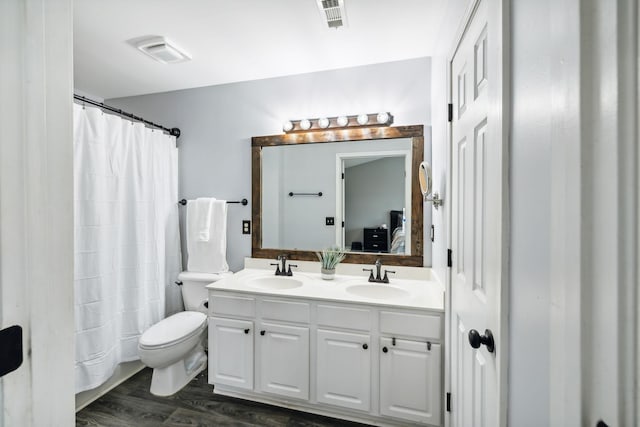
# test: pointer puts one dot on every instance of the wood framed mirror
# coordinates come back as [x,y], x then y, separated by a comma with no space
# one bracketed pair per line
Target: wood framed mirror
[401,139]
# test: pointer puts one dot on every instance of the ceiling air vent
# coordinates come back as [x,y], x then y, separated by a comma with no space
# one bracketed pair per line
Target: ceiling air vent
[163,50]
[333,13]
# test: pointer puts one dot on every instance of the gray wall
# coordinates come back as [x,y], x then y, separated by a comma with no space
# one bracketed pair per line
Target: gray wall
[372,190]
[217,124]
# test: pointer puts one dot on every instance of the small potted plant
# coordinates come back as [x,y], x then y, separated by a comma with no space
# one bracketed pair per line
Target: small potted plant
[329,259]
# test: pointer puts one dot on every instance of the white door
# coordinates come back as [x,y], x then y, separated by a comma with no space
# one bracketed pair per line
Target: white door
[411,380]
[36,211]
[478,192]
[231,352]
[283,360]
[344,369]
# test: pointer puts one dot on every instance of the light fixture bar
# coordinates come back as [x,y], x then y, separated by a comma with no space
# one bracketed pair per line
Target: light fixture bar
[339,122]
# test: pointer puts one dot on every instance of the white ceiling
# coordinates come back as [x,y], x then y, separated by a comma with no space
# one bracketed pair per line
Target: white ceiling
[240,40]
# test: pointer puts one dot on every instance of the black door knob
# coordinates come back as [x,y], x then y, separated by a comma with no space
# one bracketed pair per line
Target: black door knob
[476,340]
[246,331]
[262,332]
[365,346]
[385,349]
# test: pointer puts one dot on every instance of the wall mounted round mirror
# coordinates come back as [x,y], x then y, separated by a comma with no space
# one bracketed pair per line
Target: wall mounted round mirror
[426,182]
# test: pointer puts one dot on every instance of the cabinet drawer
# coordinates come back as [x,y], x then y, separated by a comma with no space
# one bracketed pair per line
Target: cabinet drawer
[375,246]
[288,311]
[375,234]
[344,317]
[415,325]
[231,305]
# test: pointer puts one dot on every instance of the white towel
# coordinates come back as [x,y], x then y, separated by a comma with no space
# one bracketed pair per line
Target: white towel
[201,214]
[208,256]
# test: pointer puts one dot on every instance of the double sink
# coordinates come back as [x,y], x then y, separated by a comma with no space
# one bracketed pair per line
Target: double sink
[360,288]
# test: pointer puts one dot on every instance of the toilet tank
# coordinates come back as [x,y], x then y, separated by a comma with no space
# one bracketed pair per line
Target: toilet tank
[194,291]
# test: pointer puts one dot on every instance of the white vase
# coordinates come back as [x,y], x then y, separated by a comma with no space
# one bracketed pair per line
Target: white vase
[327,274]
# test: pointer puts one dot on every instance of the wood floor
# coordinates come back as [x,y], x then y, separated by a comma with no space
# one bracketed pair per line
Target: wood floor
[131,404]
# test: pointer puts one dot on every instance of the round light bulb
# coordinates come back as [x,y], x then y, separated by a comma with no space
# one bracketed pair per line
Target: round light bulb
[382,118]
[305,124]
[323,122]
[363,119]
[342,121]
[287,126]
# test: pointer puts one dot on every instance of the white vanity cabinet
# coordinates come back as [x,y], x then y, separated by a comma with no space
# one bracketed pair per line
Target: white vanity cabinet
[363,362]
[232,363]
[283,360]
[400,395]
[410,348]
[344,369]
[344,355]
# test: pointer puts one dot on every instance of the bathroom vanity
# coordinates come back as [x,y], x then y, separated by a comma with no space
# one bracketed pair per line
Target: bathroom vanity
[344,348]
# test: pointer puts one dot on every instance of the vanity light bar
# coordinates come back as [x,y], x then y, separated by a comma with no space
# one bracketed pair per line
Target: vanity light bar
[339,122]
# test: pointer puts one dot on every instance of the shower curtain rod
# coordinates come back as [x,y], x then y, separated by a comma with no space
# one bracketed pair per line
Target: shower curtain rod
[84,100]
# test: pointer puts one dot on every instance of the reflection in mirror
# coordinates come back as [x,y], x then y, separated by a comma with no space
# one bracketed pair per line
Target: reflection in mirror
[301,203]
[374,200]
[361,183]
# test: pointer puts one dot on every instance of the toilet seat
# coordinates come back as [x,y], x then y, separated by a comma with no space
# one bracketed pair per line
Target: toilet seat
[173,330]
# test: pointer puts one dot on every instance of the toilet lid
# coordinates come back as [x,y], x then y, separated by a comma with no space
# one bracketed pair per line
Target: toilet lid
[173,329]
[203,277]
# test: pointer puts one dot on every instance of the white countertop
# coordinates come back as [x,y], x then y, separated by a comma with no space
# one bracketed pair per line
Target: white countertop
[420,294]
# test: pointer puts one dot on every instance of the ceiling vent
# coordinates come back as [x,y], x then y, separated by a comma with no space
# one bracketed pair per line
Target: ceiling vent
[333,13]
[163,50]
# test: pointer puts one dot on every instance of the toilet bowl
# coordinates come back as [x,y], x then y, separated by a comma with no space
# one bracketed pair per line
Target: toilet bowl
[174,347]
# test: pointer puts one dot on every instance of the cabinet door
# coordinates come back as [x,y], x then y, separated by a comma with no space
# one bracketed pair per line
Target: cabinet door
[283,356]
[344,369]
[231,352]
[411,380]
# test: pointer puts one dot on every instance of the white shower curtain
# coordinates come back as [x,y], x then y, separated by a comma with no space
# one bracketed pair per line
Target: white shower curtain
[127,243]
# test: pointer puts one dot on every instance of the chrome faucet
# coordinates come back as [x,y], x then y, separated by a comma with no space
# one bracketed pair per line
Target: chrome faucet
[378,278]
[283,272]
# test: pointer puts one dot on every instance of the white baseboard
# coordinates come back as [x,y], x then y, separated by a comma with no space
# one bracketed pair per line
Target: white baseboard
[123,372]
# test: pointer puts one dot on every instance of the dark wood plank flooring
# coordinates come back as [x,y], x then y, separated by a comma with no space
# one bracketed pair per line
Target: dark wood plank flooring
[131,404]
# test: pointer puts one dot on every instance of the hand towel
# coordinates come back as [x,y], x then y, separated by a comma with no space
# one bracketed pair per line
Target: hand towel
[208,256]
[201,214]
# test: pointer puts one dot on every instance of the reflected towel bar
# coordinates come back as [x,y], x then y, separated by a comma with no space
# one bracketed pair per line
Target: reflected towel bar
[244,202]
[319,194]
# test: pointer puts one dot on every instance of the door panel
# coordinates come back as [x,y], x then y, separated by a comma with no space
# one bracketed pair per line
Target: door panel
[283,357]
[231,352]
[344,369]
[477,207]
[411,380]
[470,407]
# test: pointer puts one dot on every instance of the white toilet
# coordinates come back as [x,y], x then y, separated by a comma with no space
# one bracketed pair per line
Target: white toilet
[174,346]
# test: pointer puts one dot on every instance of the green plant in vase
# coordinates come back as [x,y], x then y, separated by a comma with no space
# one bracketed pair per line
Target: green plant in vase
[329,259]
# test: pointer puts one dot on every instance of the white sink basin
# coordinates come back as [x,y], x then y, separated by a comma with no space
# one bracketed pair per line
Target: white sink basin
[377,291]
[274,282]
